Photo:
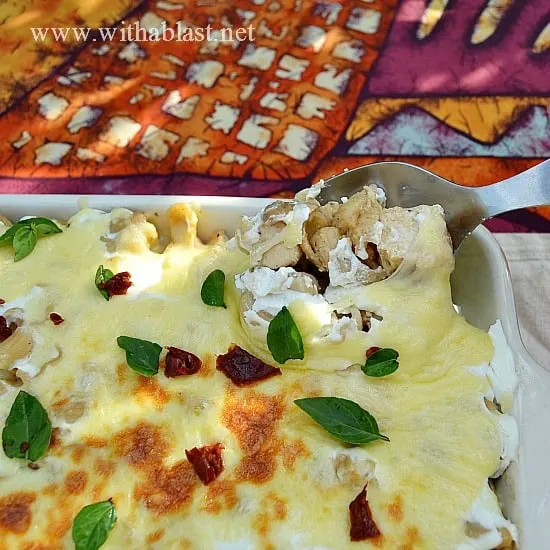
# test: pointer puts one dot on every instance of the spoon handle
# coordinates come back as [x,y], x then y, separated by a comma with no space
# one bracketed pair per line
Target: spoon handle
[530,188]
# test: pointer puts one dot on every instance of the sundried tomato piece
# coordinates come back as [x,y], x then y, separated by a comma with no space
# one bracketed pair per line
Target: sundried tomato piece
[6,330]
[118,284]
[372,350]
[362,524]
[56,319]
[207,461]
[2,301]
[242,368]
[179,362]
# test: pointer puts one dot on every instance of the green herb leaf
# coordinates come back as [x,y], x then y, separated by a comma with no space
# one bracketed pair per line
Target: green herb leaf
[28,429]
[23,235]
[141,355]
[381,363]
[102,275]
[44,226]
[24,241]
[342,418]
[7,237]
[212,290]
[92,524]
[283,338]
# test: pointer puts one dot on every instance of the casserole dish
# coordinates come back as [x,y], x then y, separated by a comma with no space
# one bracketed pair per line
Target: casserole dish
[481,288]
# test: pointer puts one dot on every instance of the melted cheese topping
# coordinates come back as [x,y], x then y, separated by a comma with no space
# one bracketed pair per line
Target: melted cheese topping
[287,483]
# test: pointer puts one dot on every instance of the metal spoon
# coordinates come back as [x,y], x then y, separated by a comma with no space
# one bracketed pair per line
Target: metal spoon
[465,208]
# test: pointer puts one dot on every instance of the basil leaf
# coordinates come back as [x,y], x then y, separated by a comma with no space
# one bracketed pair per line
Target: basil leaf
[342,418]
[24,241]
[141,355]
[28,429]
[92,524]
[212,290]
[102,275]
[7,236]
[381,363]
[44,226]
[283,338]
[24,234]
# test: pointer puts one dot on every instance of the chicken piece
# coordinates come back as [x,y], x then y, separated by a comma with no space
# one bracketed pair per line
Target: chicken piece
[70,409]
[273,236]
[281,256]
[320,236]
[261,282]
[358,216]
[304,282]
[346,269]
[507,540]
[353,468]
[399,230]
[17,346]
[357,219]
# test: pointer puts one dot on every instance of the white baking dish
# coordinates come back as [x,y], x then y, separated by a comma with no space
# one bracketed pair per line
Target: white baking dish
[481,287]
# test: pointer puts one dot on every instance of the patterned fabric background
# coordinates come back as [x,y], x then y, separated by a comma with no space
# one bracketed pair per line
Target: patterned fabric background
[461,88]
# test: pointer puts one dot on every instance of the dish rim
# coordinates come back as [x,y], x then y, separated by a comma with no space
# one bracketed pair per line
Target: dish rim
[231,209]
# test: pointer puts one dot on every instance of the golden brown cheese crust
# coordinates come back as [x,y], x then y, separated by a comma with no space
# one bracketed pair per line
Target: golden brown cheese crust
[253,417]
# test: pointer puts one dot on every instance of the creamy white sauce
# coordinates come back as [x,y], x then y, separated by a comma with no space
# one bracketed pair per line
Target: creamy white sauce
[271,291]
[85,215]
[294,220]
[43,352]
[344,267]
[262,281]
[502,372]
[509,438]
[503,380]
[18,308]
[343,328]
[145,269]
[310,193]
[486,512]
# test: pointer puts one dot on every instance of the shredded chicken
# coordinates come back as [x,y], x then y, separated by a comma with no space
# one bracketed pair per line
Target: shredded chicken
[358,215]
[273,237]
[356,242]
[320,236]
[360,237]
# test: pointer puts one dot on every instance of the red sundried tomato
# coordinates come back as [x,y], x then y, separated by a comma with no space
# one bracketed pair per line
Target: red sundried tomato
[242,368]
[207,461]
[372,350]
[56,319]
[118,284]
[2,301]
[6,330]
[179,362]
[362,525]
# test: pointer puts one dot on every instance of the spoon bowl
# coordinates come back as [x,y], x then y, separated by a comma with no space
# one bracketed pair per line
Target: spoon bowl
[465,208]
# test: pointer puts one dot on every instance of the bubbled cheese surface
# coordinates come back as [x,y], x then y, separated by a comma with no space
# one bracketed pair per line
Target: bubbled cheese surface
[287,483]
